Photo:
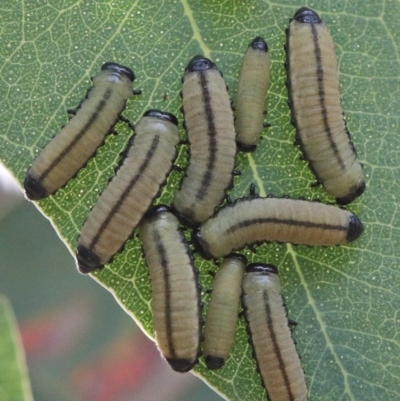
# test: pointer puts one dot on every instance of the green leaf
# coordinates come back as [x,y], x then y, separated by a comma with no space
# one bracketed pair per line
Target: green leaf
[345,299]
[14,381]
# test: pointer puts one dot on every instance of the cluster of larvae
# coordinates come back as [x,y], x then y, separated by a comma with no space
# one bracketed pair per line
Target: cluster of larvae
[214,135]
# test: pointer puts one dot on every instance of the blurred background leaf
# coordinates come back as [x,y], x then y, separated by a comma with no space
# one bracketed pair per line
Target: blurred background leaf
[345,299]
[14,380]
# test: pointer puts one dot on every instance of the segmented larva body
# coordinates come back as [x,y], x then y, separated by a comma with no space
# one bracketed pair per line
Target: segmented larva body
[211,132]
[77,142]
[275,352]
[252,91]
[313,86]
[121,206]
[256,220]
[222,315]
[175,300]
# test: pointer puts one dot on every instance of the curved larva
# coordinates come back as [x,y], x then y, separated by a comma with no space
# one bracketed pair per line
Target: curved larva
[77,142]
[175,303]
[252,91]
[275,352]
[222,315]
[314,98]
[256,220]
[119,209]
[211,133]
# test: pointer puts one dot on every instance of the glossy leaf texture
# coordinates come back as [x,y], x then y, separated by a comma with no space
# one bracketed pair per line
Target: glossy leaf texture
[345,299]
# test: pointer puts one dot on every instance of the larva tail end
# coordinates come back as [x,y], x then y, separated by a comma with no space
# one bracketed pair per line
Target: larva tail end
[87,260]
[199,63]
[214,362]
[345,200]
[245,147]
[355,229]
[162,115]
[307,16]
[263,268]
[34,190]
[260,44]
[181,365]
[120,69]
[201,245]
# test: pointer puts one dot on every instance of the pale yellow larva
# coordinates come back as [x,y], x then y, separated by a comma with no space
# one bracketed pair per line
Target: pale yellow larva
[175,302]
[252,91]
[256,220]
[222,315]
[211,133]
[121,206]
[77,142]
[314,99]
[275,352]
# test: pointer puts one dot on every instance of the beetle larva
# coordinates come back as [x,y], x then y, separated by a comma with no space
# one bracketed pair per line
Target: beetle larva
[175,300]
[211,132]
[119,209]
[251,221]
[314,98]
[252,91]
[77,142]
[222,315]
[274,349]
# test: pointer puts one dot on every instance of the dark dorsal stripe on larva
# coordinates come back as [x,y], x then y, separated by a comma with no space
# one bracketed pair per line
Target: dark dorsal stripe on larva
[94,116]
[277,359]
[222,315]
[314,99]
[167,289]
[77,141]
[321,94]
[176,303]
[211,133]
[212,142]
[251,94]
[152,149]
[286,222]
[257,220]
[145,166]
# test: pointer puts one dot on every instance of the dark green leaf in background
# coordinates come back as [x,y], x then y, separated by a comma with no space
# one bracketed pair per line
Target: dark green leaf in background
[345,299]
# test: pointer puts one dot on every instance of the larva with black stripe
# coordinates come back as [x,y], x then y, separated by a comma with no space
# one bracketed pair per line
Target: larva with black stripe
[252,91]
[69,151]
[211,133]
[175,303]
[274,349]
[256,220]
[222,315]
[121,206]
[314,99]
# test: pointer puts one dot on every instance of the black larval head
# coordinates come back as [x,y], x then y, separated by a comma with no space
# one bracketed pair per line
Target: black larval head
[155,210]
[87,260]
[244,147]
[237,256]
[34,189]
[181,365]
[214,362]
[307,16]
[259,43]
[200,245]
[162,115]
[120,69]
[345,200]
[185,219]
[200,63]
[263,268]
[355,229]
